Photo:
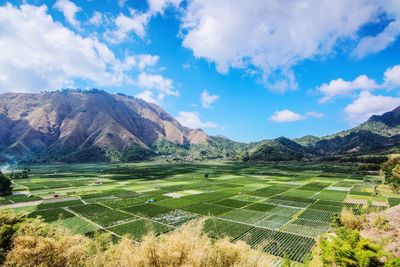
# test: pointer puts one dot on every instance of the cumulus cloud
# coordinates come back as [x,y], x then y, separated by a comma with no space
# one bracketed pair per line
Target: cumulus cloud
[148,96]
[286,116]
[290,116]
[125,25]
[163,86]
[69,9]
[146,60]
[392,77]
[38,53]
[137,21]
[270,37]
[97,19]
[375,44]
[341,87]
[41,54]
[367,104]
[193,120]
[380,41]
[158,6]
[207,100]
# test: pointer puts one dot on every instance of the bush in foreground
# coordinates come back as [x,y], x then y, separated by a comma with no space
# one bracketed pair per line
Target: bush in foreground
[35,243]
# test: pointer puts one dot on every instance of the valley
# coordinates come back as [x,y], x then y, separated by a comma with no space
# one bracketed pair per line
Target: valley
[279,208]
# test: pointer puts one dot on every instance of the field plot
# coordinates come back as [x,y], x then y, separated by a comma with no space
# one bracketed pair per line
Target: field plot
[208,209]
[278,208]
[245,216]
[52,215]
[102,215]
[137,228]
[147,210]
[279,243]
[218,228]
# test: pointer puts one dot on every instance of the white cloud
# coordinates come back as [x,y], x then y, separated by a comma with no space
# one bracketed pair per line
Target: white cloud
[375,44]
[141,61]
[273,36]
[366,105]
[124,26]
[392,77]
[137,21]
[147,95]
[38,53]
[207,100]
[121,3]
[313,114]
[96,19]
[164,86]
[290,116]
[286,116]
[145,60]
[385,38]
[69,9]
[158,6]
[192,120]
[341,87]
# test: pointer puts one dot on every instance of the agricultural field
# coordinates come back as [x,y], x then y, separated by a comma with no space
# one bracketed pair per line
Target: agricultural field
[279,208]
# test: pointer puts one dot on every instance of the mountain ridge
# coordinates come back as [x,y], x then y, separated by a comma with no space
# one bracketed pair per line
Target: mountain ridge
[61,122]
[75,125]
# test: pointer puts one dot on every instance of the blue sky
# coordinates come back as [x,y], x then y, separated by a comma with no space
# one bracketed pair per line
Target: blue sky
[245,70]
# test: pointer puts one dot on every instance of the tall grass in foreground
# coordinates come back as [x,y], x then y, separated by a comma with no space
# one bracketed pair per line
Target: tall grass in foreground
[31,242]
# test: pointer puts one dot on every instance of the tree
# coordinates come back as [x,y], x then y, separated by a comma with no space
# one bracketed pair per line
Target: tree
[25,172]
[5,185]
[206,175]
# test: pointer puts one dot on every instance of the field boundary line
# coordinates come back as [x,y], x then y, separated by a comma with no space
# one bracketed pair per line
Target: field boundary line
[150,219]
[89,221]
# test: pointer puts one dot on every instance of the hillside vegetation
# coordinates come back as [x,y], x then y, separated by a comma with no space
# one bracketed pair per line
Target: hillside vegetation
[75,125]
[367,240]
[31,242]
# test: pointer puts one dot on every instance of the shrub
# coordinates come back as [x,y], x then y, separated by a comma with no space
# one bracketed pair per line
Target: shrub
[391,170]
[348,248]
[36,243]
[349,220]
[382,223]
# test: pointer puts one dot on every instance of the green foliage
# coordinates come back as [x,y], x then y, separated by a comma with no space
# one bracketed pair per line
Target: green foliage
[348,248]
[5,185]
[391,171]
[24,174]
[280,149]
[165,147]
[9,225]
[136,153]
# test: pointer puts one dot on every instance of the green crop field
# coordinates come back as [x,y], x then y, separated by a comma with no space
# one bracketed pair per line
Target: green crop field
[279,208]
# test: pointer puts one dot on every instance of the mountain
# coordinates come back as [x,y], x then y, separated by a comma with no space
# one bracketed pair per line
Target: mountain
[380,134]
[78,125]
[278,149]
[387,124]
[93,125]
[377,134]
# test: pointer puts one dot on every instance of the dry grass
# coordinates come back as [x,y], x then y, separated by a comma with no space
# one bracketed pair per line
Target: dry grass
[349,220]
[39,244]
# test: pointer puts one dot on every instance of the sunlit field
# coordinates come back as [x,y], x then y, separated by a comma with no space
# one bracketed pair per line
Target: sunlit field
[280,209]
